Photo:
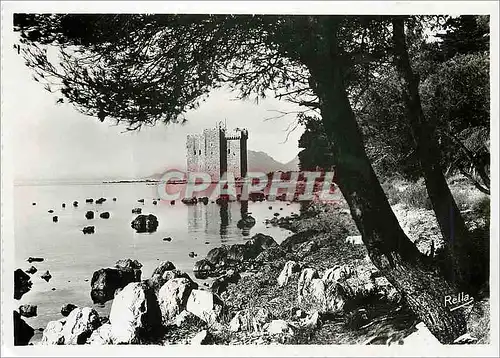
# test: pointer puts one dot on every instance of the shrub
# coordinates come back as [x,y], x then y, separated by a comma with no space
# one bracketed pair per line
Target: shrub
[415,195]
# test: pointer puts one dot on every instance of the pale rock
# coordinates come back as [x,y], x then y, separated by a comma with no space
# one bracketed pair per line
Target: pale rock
[172,298]
[101,336]
[201,338]
[354,240]
[305,279]
[421,338]
[287,272]
[279,326]
[312,321]
[53,333]
[204,305]
[80,324]
[134,313]
[465,339]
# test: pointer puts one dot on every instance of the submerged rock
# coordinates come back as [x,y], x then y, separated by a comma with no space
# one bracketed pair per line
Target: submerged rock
[88,230]
[22,331]
[100,200]
[32,270]
[246,222]
[34,259]
[75,203]
[89,215]
[217,256]
[145,223]
[28,310]
[136,211]
[55,218]
[46,276]
[135,314]
[104,215]
[22,283]
[89,200]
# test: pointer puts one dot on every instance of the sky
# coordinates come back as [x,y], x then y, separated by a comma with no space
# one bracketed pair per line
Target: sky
[54,141]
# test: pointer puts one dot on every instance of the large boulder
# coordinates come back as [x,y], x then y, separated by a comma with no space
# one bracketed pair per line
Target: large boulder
[237,253]
[272,254]
[53,333]
[172,298]
[337,273]
[306,248]
[305,278]
[279,326]
[135,314]
[79,325]
[101,336]
[288,270]
[106,281]
[157,281]
[28,310]
[145,223]
[22,283]
[22,331]
[257,244]
[202,338]
[205,305]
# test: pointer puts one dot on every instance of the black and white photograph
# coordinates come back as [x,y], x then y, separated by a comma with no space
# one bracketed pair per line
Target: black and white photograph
[264,179]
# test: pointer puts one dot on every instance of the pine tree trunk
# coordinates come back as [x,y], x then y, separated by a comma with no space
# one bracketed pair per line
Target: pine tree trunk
[461,263]
[389,248]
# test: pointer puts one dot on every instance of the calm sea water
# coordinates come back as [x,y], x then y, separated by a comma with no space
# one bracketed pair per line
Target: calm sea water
[72,257]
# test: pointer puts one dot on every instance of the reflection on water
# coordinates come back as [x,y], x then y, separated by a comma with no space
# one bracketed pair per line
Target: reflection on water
[219,218]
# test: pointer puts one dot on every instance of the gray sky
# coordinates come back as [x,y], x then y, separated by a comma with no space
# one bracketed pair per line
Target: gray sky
[55,141]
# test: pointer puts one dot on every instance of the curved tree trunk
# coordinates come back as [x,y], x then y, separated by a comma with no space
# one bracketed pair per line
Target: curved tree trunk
[461,263]
[389,248]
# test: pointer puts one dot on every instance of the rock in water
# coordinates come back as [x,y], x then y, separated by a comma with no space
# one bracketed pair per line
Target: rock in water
[22,283]
[34,259]
[129,264]
[50,211]
[22,331]
[192,254]
[63,205]
[205,305]
[88,230]
[217,256]
[67,308]
[100,200]
[89,200]
[106,281]
[155,202]
[89,214]
[246,222]
[134,314]
[46,276]
[141,201]
[287,272]
[167,239]
[172,298]
[114,199]
[32,270]
[172,202]
[203,268]
[136,211]
[145,223]
[80,324]
[75,203]
[28,310]
[55,218]
[104,215]
[53,333]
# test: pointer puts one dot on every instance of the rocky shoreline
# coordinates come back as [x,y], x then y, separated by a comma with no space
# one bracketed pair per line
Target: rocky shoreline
[316,287]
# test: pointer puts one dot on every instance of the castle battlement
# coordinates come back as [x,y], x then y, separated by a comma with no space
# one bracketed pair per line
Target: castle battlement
[217,151]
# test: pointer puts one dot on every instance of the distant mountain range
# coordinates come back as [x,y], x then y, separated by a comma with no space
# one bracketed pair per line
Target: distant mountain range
[258,162]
